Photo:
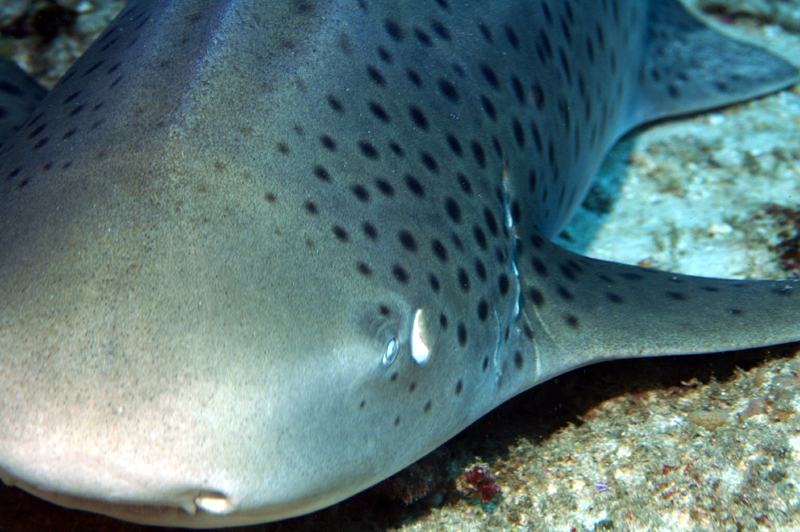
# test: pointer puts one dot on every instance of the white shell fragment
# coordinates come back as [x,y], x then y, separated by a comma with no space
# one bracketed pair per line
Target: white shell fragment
[419,350]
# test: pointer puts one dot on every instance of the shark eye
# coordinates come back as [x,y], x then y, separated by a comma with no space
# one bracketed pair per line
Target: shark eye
[390,353]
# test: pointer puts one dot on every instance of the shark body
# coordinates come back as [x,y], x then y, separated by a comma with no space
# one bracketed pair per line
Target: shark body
[308,241]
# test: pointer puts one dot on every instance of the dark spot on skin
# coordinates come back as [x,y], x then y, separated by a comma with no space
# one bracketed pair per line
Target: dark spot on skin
[321,173]
[503,284]
[428,406]
[419,118]
[422,37]
[483,310]
[407,240]
[614,298]
[455,145]
[400,273]
[360,192]
[449,91]
[415,78]
[462,335]
[414,186]
[479,154]
[539,266]
[459,387]
[376,76]
[304,8]
[518,360]
[393,29]
[485,363]
[511,35]
[363,269]
[527,331]
[335,104]
[453,210]
[536,296]
[463,280]
[480,237]
[369,230]
[491,222]
[384,54]
[429,162]
[440,30]
[368,150]
[340,233]
[36,131]
[490,76]
[379,112]
[439,250]
[567,272]
[464,184]
[480,269]
[571,321]
[677,296]
[384,187]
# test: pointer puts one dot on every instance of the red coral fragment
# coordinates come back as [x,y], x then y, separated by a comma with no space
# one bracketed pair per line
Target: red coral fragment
[478,481]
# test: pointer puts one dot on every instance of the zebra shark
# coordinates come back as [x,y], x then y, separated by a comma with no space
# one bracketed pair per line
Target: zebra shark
[257,257]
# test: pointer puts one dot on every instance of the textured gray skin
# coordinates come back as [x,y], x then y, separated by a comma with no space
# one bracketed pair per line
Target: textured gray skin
[217,222]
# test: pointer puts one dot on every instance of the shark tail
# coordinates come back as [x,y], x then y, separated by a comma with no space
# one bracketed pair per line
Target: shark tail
[690,67]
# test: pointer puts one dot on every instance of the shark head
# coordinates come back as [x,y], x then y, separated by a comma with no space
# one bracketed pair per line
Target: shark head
[222,308]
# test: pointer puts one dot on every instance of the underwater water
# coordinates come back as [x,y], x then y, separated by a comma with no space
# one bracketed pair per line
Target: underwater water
[697,443]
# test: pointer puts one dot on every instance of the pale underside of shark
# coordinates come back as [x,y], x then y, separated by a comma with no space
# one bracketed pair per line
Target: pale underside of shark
[258,256]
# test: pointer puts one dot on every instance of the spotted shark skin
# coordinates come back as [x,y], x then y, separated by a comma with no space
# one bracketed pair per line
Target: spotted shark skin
[19,96]
[308,241]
